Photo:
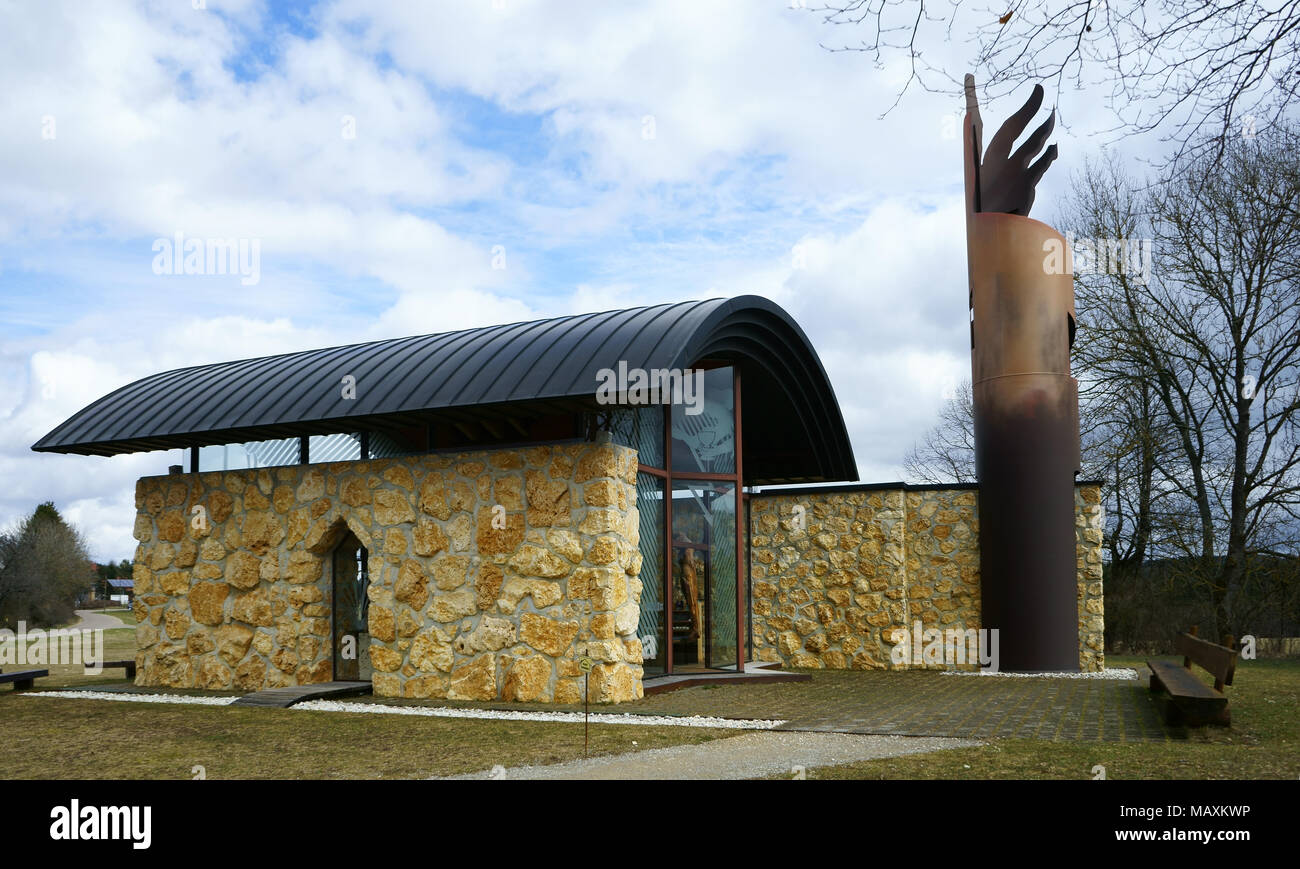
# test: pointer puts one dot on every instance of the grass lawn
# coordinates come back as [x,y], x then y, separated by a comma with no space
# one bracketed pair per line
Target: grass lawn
[1263,742]
[126,616]
[159,741]
[46,738]
[151,740]
[119,645]
[165,741]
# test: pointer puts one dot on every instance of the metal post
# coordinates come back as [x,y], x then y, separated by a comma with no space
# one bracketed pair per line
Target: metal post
[668,578]
[742,615]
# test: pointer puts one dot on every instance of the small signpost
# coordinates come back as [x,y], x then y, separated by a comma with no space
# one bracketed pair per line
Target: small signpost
[585,666]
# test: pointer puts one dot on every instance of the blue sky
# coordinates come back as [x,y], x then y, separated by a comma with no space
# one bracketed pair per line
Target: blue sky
[381,153]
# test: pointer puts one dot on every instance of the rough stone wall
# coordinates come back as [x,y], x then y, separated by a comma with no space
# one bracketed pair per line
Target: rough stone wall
[943,560]
[1089,524]
[867,563]
[459,608]
[823,594]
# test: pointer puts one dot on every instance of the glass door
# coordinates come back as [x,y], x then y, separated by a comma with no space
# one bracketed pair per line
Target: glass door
[704,574]
[650,630]
[351,610]
[688,486]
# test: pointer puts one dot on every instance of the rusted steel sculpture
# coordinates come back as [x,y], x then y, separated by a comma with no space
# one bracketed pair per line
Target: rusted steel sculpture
[1026,402]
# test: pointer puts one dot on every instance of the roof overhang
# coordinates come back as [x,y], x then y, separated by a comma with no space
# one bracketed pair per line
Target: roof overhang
[792,425]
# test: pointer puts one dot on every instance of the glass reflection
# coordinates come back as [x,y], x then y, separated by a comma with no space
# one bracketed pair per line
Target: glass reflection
[706,441]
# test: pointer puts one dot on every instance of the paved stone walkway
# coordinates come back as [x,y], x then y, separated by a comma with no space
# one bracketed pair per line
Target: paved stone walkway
[912,703]
[751,755]
[928,703]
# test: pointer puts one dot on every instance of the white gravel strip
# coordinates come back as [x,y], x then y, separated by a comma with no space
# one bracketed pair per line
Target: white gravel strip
[438,711]
[564,717]
[134,698]
[749,755]
[1115,673]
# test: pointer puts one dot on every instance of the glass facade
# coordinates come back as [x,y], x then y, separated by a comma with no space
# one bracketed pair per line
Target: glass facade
[334,448]
[704,574]
[641,428]
[650,508]
[689,576]
[383,446]
[343,447]
[704,433]
[253,454]
[721,503]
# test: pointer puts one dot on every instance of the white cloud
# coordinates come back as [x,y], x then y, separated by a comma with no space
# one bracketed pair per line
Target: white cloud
[762,141]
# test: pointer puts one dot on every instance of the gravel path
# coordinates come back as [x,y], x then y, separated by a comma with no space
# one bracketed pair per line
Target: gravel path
[751,755]
[638,720]
[91,620]
[1127,674]
[130,697]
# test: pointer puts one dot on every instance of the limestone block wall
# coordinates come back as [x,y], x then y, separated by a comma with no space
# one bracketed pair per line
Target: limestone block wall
[830,594]
[460,607]
[1089,524]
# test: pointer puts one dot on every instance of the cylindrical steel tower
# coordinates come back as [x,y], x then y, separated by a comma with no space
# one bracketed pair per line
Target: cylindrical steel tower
[1026,402]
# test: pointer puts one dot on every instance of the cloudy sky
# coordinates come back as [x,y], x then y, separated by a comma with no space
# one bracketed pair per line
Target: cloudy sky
[608,155]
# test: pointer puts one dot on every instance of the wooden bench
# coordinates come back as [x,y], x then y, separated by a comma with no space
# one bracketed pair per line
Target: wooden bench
[23,679]
[1191,701]
[129,666]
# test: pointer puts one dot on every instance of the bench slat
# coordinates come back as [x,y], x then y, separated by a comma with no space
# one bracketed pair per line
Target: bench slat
[1190,701]
[23,679]
[1181,682]
[1219,661]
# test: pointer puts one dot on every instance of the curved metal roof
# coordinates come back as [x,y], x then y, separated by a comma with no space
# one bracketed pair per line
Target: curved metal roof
[404,379]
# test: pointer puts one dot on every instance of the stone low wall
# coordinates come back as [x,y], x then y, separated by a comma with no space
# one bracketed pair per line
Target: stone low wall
[237,595]
[832,585]
[1089,525]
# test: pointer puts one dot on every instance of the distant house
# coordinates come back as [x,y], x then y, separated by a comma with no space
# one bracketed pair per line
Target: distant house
[121,590]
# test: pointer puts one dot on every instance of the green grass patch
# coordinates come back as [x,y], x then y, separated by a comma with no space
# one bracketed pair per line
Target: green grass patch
[119,645]
[1263,742]
[46,738]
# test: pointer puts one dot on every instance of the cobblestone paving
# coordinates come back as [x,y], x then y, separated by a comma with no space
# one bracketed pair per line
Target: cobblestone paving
[913,703]
[921,703]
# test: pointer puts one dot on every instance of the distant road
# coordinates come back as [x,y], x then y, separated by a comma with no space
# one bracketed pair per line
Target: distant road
[92,620]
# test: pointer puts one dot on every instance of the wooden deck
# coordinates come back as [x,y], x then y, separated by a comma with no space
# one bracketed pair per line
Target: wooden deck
[755,673]
[285,697]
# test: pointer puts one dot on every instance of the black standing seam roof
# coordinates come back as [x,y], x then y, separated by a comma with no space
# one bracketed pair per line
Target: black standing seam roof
[558,358]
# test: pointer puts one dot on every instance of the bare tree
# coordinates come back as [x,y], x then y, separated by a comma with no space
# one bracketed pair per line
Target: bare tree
[1191,67]
[946,454]
[1124,443]
[1213,335]
[1126,439]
